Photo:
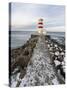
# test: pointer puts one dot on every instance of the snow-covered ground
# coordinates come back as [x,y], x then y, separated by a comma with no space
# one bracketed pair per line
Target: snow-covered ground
[40,70]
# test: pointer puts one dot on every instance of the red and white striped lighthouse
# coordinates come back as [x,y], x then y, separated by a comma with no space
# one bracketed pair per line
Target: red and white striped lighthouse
[40,26]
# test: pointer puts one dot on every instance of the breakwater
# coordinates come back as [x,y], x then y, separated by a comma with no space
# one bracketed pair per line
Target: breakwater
[33,63]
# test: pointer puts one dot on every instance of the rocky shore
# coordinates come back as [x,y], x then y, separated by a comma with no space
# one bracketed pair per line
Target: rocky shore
[20,57]
[57,54]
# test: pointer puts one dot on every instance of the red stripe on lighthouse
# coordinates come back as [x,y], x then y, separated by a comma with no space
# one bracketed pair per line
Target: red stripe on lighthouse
[40,23]
[40,26]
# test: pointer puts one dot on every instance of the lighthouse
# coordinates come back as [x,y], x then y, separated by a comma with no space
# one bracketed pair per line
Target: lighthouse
[40,26]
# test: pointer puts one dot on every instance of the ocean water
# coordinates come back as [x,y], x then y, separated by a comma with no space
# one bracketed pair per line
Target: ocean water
[58,36]
[18,38]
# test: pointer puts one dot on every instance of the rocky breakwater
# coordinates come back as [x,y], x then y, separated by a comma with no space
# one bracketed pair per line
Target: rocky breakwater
[40,70]
[20,57]
[57,54]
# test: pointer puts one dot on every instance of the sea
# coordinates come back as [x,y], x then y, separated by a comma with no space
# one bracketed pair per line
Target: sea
[18,38]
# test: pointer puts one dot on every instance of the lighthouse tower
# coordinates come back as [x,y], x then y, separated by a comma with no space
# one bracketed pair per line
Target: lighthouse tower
[40,26]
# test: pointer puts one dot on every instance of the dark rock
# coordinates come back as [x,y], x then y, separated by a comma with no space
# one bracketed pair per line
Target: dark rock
[59,67]
[22,73]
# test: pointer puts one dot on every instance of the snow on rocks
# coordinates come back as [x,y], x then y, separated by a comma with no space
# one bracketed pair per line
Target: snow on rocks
[63,65]
[57,62]
[14,80]
[48,46]
[55,45]
[55,81]
[57,53]
[15,70]
[62,53]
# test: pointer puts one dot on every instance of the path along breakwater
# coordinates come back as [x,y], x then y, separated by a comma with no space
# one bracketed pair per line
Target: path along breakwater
[35,63]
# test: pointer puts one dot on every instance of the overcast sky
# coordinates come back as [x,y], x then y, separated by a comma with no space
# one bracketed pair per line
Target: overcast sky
[25,16]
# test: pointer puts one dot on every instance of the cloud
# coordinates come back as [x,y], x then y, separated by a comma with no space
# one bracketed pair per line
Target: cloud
[26,15]
[56,29]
